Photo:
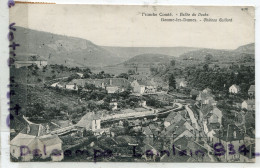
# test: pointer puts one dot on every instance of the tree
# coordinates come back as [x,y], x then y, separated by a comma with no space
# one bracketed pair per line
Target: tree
[92,105]
[123,75]
[172,82]
[90,87]
[206,67]
[173,63]
[131,72]
[153,102]
[106,106]
[72,76]
[208,58]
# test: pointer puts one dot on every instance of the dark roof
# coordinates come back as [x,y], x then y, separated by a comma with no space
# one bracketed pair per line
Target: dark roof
[152,127]
[170,117]
[34,129]
[194,92]
[147,131]
[187,143]
[250,132]
[182,128]
[214,126]
[137,77]
[146,83]
[231,133]
[175,128]
[177,157]
[205,96]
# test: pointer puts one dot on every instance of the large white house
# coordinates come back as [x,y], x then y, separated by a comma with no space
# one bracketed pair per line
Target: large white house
[33,141]
[137,88]
[141,87]
[28,60]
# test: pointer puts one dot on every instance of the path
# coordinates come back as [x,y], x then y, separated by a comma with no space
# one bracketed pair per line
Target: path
[192,117]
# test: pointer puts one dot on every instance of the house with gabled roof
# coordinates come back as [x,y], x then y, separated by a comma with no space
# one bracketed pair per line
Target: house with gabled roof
[234,89]
[207,91]
[214,116]
[143,86]
[234,135]
[248,104]
[34,140]
[173,118]
[112,85]
[194,93]
[181,83]
[206,98]
[131,78]
[251,91]
[169,119]
[147,131]
[137,87]
[25,60]
[178,129]
[189,145]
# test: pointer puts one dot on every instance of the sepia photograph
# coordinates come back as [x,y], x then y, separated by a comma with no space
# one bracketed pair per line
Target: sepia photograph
[132,83]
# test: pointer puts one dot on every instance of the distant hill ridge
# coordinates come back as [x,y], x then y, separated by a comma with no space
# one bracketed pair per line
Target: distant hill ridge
[149,58]
[129,52]
[72,51]
[220,54]
[59,49]
[249,48]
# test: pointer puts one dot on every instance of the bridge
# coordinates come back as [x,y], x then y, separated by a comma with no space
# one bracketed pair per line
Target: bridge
[64,130]
[118,117]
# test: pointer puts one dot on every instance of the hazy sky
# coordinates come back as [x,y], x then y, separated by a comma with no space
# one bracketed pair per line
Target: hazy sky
[125,26]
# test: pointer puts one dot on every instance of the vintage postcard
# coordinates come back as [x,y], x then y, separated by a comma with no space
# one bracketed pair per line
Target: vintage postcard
[122,83]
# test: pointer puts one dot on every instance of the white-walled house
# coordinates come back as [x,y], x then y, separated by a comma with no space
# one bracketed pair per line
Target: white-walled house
[113,105]
[137,88]
[80,74]
[112,89]
[71,87]
[57,84]
[33,141]
[183,84]
[205,97]
[96,124]
[215,116]
[248,104]
[207,91]
[251,91]
[26,60]
[234,89]
[142,103]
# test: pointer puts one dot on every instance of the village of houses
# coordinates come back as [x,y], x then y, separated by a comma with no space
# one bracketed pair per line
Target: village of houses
[181,130]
